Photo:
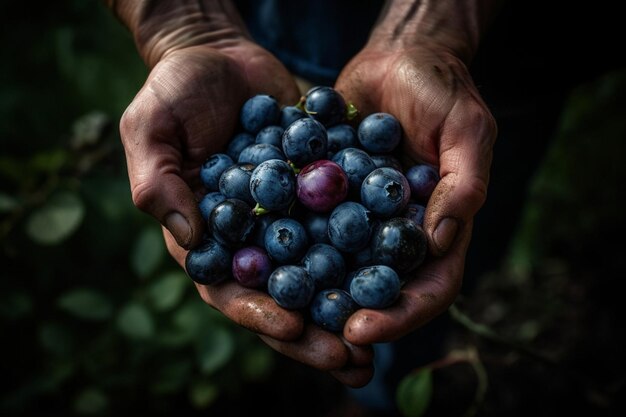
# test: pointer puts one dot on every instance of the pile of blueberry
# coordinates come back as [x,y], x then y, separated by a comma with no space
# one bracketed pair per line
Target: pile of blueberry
[312,208]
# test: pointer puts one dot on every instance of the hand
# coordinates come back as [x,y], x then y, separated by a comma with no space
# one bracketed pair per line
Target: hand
[186,111]
[446,124]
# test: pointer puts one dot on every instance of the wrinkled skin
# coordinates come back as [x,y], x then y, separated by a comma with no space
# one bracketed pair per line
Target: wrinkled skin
[446,124]
[187,110]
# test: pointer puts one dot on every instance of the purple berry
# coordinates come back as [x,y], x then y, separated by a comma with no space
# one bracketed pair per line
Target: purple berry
[422,179]
[252,267]
[322,185]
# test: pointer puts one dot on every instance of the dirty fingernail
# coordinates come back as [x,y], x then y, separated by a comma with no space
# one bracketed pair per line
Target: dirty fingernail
[179,228]
[444,233]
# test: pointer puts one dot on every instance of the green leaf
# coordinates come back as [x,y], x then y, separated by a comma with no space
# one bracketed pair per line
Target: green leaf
[135,321]
[15,305]
[257,363]
[203,393]
[148,252]
[57,219]
[7,203]
[414,393]
[56,339]
[49,161]
[172,376]
[167,291]
[91,401]
[86,304]
[215,346]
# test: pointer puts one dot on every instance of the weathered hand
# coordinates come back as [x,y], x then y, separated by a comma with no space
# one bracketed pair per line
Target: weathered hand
[446,124]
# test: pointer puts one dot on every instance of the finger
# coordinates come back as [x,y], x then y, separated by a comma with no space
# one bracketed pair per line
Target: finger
[315,347]
[465,154]
[425,296]
[354,377]
[252,309]
[154,163]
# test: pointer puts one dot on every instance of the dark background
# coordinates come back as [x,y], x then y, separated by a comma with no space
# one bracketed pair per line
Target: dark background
[98,320]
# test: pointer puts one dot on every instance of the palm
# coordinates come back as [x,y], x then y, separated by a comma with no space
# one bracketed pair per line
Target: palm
[445,124]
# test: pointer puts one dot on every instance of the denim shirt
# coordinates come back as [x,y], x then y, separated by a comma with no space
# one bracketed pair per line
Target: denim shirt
[314,39]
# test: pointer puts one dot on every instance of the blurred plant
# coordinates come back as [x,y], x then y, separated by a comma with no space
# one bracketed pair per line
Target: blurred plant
[98,314]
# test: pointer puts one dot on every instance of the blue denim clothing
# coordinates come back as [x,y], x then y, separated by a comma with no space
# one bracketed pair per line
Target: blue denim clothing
[314,39]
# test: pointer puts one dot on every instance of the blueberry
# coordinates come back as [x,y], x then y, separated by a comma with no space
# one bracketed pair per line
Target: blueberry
[399,243]
[349,227]
[212,169]
[289,114]
[235,182]
[326,105]
[291,287]
[261,224]
[379,133]
[251,267]
[272,135]
[305,141]
[325,265]
[231,221]
[357,165]
[322,185]
[273,184]
[208,203]
[376,286]
[238,143]
[316,226]
[415,212]
[331,308]
[259,111]
[259,152]
[286,240]
[209,263]
[423,179]
[385,192]
[387,160]
[340,137]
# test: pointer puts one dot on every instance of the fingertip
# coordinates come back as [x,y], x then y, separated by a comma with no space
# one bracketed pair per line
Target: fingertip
[354,377]
[444,235]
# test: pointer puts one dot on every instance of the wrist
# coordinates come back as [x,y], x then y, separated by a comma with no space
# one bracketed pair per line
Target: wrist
[161,27]
[455,26]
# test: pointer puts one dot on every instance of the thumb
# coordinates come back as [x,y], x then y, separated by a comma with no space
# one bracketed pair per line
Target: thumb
[154,156]
[464,163]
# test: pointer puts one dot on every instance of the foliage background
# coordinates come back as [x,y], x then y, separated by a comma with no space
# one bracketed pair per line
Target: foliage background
[97,319]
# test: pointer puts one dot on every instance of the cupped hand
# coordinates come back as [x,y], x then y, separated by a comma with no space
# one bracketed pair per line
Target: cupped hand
[446,124]
[187,110]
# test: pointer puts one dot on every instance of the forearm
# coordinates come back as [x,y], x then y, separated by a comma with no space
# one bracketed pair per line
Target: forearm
[457,25]
[159,26]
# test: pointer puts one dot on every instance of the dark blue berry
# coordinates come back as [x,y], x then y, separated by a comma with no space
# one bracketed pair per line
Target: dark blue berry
[399,243]
[235,182]
[326,266]
[349,227]
[291,287]
[326,105]
[259,152]
[273,184]
[212,169]
[305,141]
[376,286]
[231,221]
[259,111]
[385,192]
[209,263]
[286,241]
[379,133]
[331,308]
[422,179]
[208,203]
